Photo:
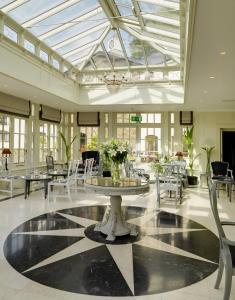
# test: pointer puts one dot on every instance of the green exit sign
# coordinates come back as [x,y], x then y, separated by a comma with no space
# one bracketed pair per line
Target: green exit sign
[136,119]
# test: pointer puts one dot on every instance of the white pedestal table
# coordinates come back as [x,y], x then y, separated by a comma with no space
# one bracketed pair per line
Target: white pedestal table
[115,224]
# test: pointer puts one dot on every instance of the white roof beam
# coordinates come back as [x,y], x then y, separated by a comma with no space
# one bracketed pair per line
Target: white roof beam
[150,40]
[107,56]
[70,23]
[162,32]
[80,35]
[13,5]
[164,3]
[100,40]
[161,19]
[49,13]
[108,12]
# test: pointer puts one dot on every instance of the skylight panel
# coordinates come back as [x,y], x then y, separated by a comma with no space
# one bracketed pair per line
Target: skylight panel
[64,16]
[31,9]
[134,48]
[81,42]
[154,8]
[79,55]
[4,3]
[75,29]
[153,56]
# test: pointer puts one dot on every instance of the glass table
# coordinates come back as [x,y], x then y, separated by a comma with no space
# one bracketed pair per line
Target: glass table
[30,178]
[114,224]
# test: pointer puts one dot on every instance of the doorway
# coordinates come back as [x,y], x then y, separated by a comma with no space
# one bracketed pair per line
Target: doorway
[228,148]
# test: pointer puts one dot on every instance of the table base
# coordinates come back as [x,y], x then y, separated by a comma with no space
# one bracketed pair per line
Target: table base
[114,224]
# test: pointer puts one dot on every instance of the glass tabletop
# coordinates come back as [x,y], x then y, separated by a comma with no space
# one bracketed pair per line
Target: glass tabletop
[36,177]
[108,182]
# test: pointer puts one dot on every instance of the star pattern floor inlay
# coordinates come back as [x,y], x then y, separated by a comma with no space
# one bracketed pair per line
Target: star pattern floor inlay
[61,250]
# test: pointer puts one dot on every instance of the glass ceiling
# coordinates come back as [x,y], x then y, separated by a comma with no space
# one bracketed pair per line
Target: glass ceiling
[105,34]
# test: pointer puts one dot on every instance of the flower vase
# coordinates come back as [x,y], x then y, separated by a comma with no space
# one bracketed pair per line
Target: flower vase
[116,172]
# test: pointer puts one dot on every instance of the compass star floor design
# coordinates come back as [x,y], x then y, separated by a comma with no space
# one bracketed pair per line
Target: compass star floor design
[61,250]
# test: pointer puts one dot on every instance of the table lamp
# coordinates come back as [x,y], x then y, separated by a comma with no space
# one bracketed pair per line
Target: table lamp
[6,152]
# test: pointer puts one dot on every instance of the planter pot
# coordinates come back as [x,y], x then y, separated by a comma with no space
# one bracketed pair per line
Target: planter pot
[192,180]
[106,173]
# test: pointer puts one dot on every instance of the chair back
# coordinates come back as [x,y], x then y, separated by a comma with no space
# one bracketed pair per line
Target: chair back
[73,169]
[219,168]
[214,208]
[50,163]
[180,166]
[91,154]
[88,167]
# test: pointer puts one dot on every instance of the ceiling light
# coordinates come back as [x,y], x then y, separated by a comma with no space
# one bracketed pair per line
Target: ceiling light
[212,77]
[113,80]
[222,52]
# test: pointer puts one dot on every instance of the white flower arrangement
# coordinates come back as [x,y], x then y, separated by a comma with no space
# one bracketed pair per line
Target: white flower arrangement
[115,150]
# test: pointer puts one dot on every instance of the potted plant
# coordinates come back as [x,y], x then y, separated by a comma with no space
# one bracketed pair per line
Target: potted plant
[205,176]
[188,141]
[68,146]
[208,151]
[157,167]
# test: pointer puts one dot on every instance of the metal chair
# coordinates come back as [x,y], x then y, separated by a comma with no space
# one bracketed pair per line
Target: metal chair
[88,170]
[220,170]
[167,183]
[50,163]
[67,182]
[227,247]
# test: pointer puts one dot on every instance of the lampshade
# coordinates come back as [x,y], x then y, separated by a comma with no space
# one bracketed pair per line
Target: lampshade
[179,153]
[6,151]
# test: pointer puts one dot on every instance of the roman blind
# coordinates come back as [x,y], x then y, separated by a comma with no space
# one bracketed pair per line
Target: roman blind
[51,114]
[88,118]
[14,105]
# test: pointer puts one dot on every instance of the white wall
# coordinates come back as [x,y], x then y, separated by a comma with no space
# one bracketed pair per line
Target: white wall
[207,132]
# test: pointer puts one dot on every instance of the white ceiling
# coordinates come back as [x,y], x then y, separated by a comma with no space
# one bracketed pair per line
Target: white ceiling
[213,33]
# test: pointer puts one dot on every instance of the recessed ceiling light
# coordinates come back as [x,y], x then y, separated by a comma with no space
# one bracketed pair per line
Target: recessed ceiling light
[212,77]
[222,52]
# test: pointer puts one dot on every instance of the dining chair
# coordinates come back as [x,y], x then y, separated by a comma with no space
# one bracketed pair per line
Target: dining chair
[65,182]
[220,170]
[50,163]
[168,183]
[227,246]
[88,170]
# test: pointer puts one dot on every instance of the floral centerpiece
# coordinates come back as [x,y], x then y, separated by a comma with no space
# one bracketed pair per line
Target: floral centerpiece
[116,152]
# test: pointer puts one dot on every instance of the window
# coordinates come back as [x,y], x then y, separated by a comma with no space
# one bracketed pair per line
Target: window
[19,141]
[10,33]
[88,138]
[44,56]
[48,143]
[53,141]
[150,140]
[43,142]
[4,132]
[151,118]
[29,46]
[125,118]
[56,64]
[127,134]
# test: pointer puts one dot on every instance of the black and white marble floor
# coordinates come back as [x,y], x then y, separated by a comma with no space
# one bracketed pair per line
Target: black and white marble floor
[50,250]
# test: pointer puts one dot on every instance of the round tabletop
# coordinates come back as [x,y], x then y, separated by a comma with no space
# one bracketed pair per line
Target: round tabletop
[36,177]
[126,186]
[58,173]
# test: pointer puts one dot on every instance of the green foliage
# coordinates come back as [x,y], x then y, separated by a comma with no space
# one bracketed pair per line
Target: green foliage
[68,146]
[208,151]
[157,167]
[188,141]
[93,145]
